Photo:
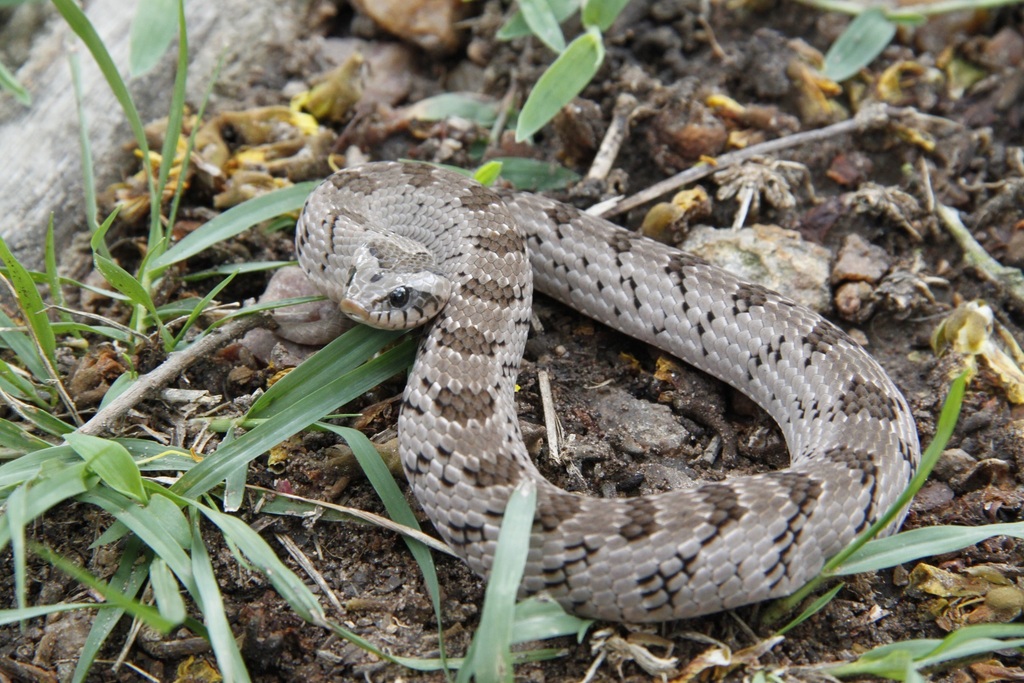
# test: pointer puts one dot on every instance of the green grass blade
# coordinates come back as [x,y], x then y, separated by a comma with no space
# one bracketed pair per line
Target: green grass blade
[602,13]
[340,357]
[323,395]
[53,277]
[516,26]
[863,40]
[29,466]
[147,524]
[149,615]
[561,82]
[152,30]
[32,307]
[40,417]
[127,581]
[23,347]
[812,609]
[179,191]
[234,482]
[83,28]
[157,243]
[17,517]
[918,543]
[469,106]
[263,557]
[200,307]
[111,462]
[84,145]
[41,495]
[22,388]
[538,619]
[234,221]
[536,175]
[118,387]
[943,431]
[902,660]
[12,436]
[9,83]
[222,640]
[240,268]
[13,616]
[398,509]
[543,23]
[119,278]
[489,657]
[487,174]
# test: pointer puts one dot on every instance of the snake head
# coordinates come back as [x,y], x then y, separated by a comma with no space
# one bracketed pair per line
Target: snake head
[386,295]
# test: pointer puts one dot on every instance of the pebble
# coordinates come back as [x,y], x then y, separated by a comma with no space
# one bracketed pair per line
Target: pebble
[429,24]
[779,259]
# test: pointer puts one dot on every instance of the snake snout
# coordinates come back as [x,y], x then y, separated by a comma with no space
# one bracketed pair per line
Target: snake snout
[353,310]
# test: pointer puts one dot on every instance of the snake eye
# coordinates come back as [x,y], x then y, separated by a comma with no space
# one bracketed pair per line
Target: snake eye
[399,297]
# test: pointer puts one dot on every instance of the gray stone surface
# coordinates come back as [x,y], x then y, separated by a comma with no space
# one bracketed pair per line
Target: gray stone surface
[39,144]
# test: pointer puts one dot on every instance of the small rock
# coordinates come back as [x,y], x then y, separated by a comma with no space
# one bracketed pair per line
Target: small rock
[1005,49]
[953,464]
[855,301]
[850,170]
[932,496]
[859,261]
[427,23]
[640,428]
[770,256]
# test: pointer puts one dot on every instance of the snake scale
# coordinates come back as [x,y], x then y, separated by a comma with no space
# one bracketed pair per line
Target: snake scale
[395,243]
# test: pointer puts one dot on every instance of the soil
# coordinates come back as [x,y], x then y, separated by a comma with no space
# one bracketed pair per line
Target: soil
[670,60]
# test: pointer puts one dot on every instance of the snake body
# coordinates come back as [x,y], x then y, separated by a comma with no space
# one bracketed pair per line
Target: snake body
[394,243]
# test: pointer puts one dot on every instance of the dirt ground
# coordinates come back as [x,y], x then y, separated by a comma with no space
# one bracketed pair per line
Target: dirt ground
[645,428]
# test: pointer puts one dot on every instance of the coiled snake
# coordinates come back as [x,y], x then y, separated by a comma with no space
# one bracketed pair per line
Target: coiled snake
[395,243]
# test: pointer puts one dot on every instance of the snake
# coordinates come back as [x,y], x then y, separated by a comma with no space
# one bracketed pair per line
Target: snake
[401,244]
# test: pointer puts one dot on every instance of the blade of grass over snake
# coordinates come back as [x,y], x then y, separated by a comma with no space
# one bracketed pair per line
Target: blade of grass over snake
[944,430]
[489,657]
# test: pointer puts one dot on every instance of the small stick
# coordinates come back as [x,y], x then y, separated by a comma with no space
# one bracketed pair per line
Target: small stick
[550,418]
[869,117]
[613,138]
[166,372]
[1011,280]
